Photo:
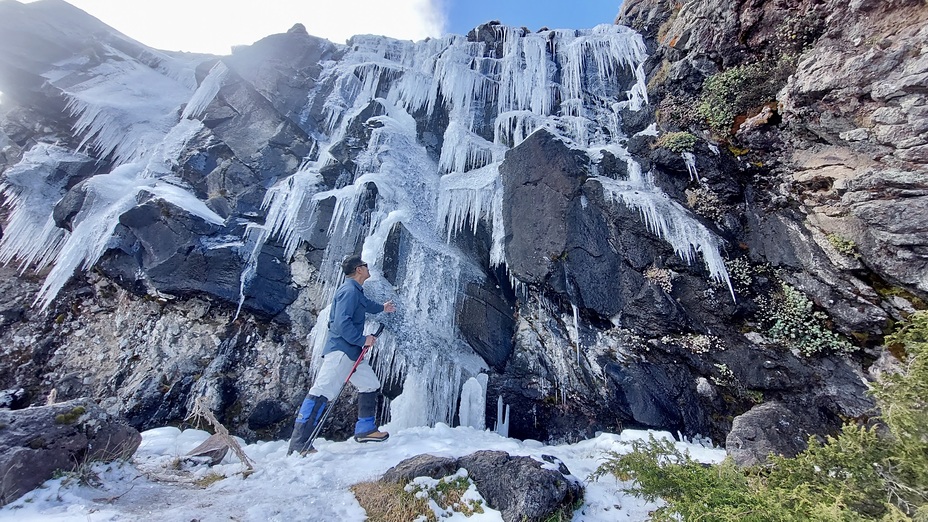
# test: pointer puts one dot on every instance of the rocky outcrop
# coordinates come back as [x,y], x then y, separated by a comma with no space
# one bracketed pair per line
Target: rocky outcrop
[827,102]
[521,488]
[38,441]
[850,115]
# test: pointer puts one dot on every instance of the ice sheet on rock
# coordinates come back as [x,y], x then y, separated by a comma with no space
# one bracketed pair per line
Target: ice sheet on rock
[32,188]
[207,91]
[108,196]
[466,198]
[123,107]
[668,220]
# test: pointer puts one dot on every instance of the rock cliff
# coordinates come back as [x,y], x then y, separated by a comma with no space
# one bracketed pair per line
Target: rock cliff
[657,229]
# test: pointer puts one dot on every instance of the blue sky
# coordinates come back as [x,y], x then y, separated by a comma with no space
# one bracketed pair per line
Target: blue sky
[464,15]
[214,26]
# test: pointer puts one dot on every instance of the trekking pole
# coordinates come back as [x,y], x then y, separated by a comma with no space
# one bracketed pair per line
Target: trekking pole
[325,414]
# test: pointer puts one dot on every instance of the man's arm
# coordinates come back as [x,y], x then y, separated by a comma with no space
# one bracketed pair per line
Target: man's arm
[370,306]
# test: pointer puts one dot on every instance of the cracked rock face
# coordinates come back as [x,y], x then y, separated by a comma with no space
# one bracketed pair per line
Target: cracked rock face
[837,154]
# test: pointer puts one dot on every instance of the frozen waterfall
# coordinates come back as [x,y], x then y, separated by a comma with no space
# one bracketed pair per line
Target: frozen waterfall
[572,83]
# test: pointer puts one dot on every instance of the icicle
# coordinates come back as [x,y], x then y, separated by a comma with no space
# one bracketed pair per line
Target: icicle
[207,91]
[513,127]
[474,402]
[125,108]
[576,332]
[502,418]
[497,249]
[317,338]
[32,188]
[291,209]
[690,160]
[668,220]
[466,198]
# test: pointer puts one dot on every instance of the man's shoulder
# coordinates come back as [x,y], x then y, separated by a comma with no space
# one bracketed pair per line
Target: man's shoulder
[350,286]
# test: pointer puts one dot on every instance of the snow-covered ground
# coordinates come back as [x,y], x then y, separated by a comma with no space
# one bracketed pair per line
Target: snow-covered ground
[283,488]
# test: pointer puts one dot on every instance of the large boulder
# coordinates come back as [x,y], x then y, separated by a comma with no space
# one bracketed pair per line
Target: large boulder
[772,428]
[36,442]
[541,183]
[521,488]
[486,322]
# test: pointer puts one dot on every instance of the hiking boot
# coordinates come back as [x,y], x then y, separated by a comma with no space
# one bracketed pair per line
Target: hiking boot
[298,438]
[310,451]
[374,436]
[309,415]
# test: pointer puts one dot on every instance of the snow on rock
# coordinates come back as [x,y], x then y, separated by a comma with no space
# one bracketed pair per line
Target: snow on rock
[156,485]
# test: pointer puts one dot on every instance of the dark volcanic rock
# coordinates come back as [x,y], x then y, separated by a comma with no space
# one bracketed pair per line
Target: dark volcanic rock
[486,322]
[267,413]
[422,466]
[521,488]
[541,177]
[35,442]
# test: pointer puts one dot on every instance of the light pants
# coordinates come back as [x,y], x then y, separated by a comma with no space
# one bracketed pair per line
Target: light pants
[334,370]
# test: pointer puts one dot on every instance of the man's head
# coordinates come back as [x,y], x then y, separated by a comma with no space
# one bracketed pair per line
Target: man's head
[355,268]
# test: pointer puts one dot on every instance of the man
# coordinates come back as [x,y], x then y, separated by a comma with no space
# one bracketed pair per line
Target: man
[342,349]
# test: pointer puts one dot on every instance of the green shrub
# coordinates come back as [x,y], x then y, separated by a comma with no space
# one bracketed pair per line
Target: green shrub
[677,141]
[677,110]
[658,470]
[843,245]
[70,417]
[904,402]
[859,474]
[738,89]
[792,320]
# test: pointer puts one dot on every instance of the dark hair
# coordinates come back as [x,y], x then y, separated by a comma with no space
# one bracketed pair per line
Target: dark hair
[350,264]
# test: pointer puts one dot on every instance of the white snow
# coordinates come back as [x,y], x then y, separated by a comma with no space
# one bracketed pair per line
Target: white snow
[313,488]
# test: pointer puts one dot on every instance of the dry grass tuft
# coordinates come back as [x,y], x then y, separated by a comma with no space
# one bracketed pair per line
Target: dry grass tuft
[209,479]
[390,502]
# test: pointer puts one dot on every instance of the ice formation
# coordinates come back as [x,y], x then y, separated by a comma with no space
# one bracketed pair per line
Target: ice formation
[474,402]
[669,220]
[126,111]
[573,83]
